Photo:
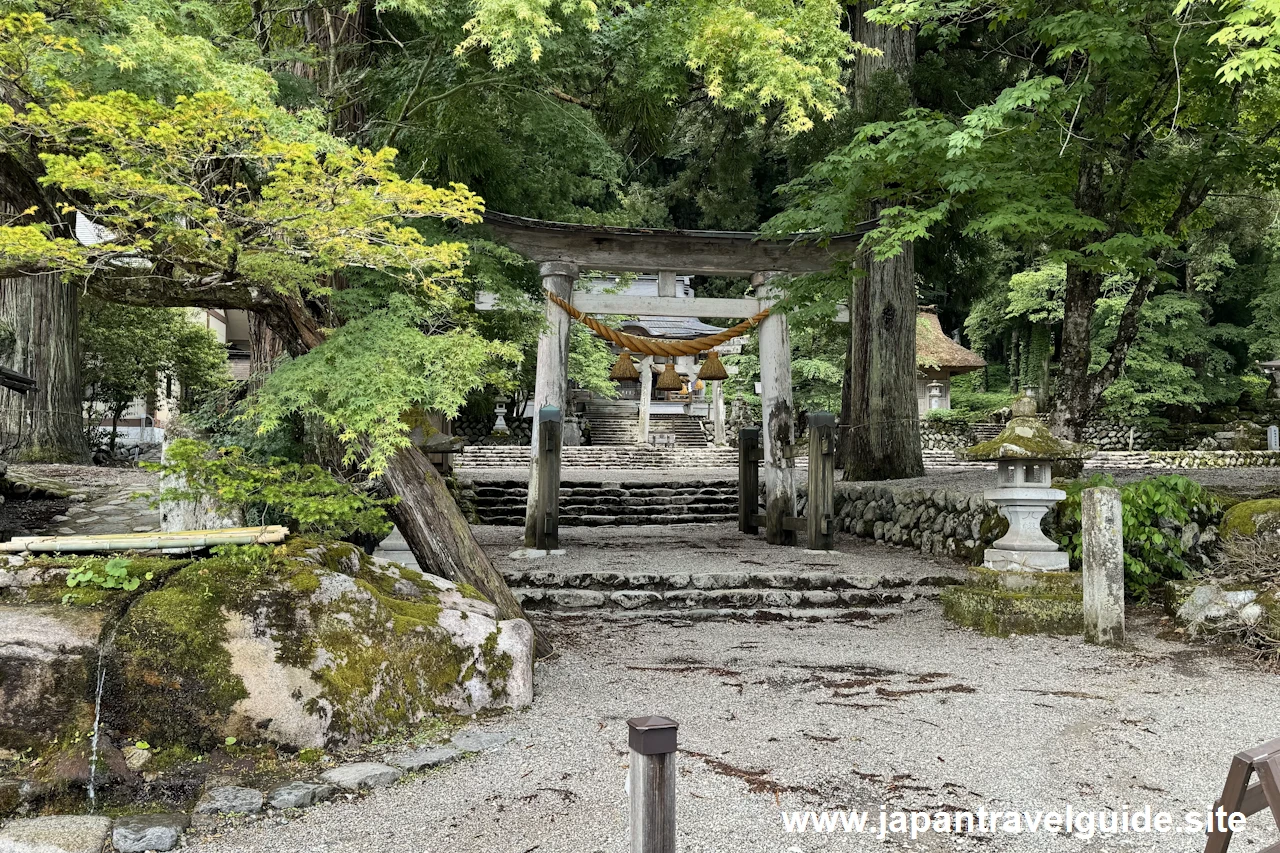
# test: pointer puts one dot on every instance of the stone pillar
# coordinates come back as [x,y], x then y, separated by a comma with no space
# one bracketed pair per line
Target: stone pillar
[717,413]
[777,418]
[1102,534]
[551,388]
[646,393]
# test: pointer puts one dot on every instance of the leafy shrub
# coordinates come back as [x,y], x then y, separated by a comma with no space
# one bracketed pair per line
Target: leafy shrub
[976,406]
[946,416]
[1153,512]
[111,574]
[305,497]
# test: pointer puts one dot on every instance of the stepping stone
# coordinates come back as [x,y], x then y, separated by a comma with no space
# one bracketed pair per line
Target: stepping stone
[364,774]
[76,510]
[56,834]
[143,528]
[159,832]
[67,531]
[421,759]
[230,799]
[61,518]
[298,795]
[480,741]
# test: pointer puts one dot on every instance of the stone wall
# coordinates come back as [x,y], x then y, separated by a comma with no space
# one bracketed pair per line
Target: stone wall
[1114,436]
[939,435]
[1214,459]
[957,525]
[474,431]
[938,523]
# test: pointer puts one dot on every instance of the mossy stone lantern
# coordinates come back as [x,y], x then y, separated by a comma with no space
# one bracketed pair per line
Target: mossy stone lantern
[1024,454]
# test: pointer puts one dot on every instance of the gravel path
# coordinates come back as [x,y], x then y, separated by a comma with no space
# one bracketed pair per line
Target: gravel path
[109,505]
[912,713]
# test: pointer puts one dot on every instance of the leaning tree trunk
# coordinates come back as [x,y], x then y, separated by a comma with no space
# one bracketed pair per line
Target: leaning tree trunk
[882,415]
[40,336]
[440,537]
[427,515]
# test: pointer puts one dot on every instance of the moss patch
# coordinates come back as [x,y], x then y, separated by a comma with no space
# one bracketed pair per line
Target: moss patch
[1244,518]
[1000,613]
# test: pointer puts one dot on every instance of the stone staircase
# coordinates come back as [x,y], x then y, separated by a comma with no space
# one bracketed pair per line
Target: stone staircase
[702,595]
[598,503]
[616,424]
[556,588]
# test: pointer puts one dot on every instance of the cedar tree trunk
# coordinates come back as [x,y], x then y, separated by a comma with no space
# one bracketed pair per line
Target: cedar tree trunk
[882,439]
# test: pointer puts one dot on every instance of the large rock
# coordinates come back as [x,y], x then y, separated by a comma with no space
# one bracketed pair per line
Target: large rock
[230,799]
[361,776]
[48,659]
[1252,518]
[159,832]
[321,648]
[298,795]
[55,834]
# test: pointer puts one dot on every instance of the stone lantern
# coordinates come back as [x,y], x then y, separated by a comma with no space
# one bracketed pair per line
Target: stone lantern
[1024,454]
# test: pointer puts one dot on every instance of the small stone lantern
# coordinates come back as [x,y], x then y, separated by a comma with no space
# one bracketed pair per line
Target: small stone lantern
[1024,454]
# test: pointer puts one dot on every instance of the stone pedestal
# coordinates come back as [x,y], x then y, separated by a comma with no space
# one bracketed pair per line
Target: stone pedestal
[1025,547]
[1004,602]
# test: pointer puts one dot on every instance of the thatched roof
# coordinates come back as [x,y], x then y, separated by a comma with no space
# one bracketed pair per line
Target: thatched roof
[937,351]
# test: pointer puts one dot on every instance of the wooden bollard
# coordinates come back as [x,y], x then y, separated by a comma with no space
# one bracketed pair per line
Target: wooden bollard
[1102,561]
[547,531]
[822,477]
[749,456]
[653,784]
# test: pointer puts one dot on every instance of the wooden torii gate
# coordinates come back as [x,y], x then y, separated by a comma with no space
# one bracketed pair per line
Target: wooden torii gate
[561,250]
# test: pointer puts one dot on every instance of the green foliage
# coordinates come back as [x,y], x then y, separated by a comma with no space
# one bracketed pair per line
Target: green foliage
[976,406]
[305,497]
[1153,511]
[589,362]
[375,368]
[129,353]
[109,574]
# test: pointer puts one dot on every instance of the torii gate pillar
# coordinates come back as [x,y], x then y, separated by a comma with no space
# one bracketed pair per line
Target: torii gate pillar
[551,388]
[777,417]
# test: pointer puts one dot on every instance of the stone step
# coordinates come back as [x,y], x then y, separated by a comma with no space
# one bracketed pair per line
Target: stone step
[554,578]
[861,615]
[612,520]
[715,599]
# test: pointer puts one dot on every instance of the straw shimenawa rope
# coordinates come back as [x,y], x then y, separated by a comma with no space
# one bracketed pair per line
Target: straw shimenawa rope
[653,346]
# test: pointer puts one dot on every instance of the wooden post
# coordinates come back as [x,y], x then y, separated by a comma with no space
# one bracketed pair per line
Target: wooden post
[748,479]
[717,413]
[653,784]
[777,417]
[822,482]
[551,386]
[646,393]
[547,535]
[1102,537]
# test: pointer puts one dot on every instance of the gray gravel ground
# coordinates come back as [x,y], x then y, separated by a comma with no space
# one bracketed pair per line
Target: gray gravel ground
[911,713]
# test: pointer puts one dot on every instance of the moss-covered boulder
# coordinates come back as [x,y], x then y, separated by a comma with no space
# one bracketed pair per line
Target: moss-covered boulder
[307,647]
[1252,518]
